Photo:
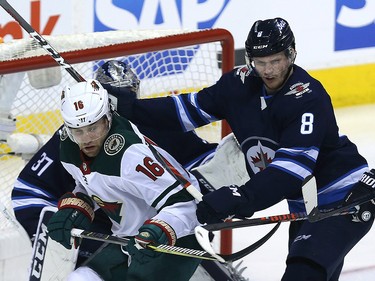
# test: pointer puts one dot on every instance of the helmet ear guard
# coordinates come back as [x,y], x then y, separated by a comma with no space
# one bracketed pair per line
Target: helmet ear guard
[291,53]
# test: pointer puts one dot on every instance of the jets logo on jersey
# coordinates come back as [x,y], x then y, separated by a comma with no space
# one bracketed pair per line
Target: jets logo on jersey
[113,144]
[299,89]
[111,209]
[259,156]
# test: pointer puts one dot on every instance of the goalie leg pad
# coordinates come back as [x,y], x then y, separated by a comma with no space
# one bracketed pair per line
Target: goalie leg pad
[82,274]
[50,260]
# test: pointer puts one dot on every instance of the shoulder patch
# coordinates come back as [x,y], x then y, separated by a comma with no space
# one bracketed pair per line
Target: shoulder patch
[63,134]
[243,72]
[298,89]
[113,144]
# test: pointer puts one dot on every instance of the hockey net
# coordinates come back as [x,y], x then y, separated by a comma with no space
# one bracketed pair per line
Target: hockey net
[166,61]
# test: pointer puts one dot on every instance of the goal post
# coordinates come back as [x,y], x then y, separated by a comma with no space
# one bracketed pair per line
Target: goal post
[166,61]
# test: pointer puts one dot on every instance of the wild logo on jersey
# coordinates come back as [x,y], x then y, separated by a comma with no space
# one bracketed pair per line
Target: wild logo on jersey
[111,209]
[113,144]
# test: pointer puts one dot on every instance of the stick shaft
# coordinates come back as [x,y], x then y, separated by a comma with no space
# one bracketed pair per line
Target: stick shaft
[40,39]
[172,170]
[158,248]
[272,219]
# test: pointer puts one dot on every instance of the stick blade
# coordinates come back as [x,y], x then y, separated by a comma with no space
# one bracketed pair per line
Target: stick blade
[202,236]
[310,194]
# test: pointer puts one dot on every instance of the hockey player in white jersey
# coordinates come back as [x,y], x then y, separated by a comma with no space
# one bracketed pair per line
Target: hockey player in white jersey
[115,170]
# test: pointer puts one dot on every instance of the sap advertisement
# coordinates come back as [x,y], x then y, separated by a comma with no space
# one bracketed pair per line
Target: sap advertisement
[329,33]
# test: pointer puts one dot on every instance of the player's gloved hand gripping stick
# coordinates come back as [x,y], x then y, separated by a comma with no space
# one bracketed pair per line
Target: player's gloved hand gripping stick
[204,240]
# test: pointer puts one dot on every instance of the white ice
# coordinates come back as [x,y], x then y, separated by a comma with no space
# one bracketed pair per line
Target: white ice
[268,262]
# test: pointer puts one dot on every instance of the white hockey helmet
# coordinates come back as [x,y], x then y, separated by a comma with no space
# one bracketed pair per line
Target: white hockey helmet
[84,104]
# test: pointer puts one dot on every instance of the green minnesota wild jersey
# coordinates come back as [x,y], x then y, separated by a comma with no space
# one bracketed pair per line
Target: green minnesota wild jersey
[127,182]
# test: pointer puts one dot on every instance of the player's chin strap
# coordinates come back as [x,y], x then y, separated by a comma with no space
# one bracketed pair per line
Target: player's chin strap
[174,250]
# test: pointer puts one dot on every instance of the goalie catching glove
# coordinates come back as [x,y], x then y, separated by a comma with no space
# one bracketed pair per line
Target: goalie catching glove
[365,186]
[152,232]
[225,203]
[75,210]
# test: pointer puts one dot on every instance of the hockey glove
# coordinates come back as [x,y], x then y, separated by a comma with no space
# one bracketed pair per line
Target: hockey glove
[152,232]
[74,211]
[365,186]
[225,203]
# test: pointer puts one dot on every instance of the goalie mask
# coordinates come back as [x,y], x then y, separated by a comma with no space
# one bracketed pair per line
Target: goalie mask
[118,74]
[86,111]
[269,37]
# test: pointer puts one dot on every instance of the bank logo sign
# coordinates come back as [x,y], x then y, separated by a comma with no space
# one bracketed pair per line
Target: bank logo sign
[355,24]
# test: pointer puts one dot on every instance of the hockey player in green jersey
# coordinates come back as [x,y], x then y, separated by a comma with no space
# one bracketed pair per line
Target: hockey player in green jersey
[115,170]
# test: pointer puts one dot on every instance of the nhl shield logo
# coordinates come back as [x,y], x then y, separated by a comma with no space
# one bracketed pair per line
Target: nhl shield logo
[113,144]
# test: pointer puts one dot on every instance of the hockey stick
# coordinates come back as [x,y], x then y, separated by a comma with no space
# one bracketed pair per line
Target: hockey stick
[314,216]
[175,250]
[309,193]
[40,39]
[193,191]
[308,188]
[317,215]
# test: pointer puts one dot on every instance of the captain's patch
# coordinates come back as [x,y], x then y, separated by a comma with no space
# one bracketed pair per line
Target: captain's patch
[113,144]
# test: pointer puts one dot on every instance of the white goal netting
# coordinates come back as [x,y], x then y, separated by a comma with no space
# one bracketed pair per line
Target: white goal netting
[166,61]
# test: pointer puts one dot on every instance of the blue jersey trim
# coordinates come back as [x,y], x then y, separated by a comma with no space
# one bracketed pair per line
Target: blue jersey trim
[34,187]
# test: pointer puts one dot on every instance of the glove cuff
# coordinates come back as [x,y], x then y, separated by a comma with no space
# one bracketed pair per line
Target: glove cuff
[77,203]
[166,228]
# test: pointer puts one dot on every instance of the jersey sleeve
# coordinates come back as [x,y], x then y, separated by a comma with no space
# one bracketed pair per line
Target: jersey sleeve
[179,112]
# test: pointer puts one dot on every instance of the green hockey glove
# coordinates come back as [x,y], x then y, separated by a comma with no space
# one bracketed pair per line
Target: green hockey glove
[75,210]
[152,232]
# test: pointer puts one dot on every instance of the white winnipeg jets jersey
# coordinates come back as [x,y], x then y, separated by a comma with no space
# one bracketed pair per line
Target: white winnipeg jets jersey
[128,182]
